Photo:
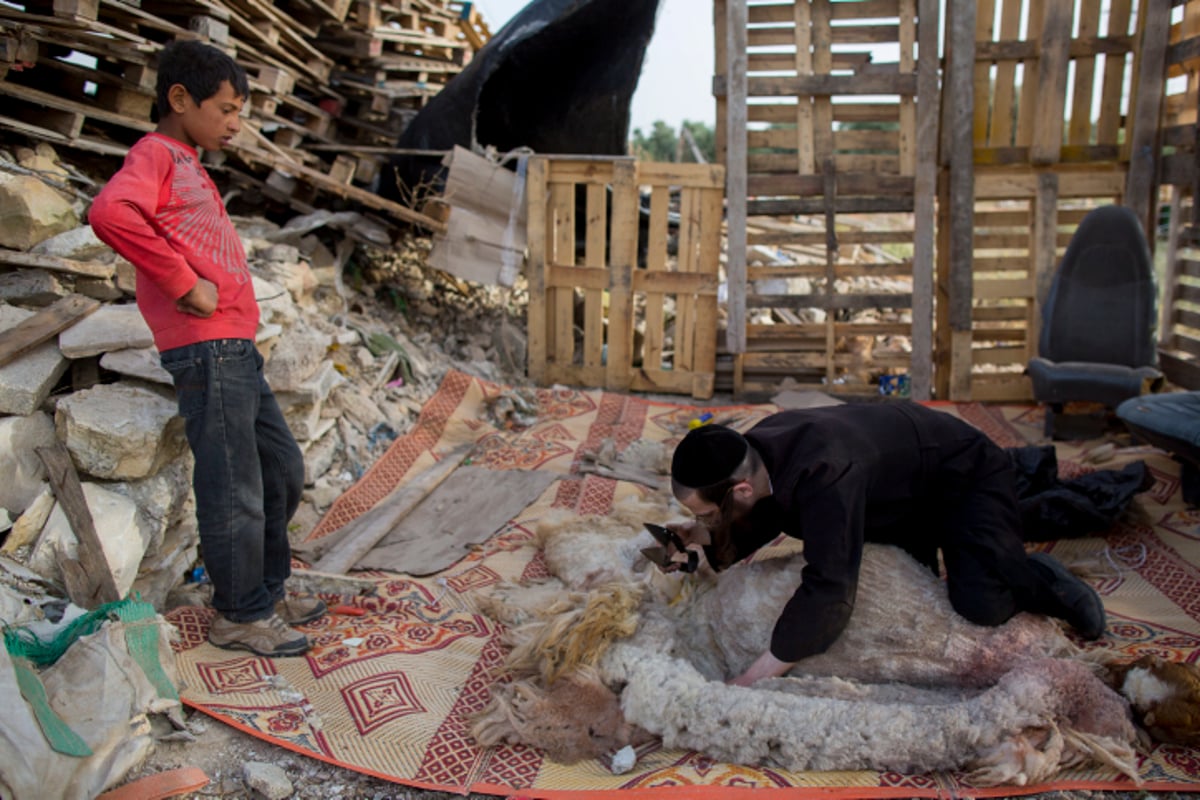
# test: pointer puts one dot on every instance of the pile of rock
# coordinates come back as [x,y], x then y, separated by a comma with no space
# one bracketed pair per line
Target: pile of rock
[350,371]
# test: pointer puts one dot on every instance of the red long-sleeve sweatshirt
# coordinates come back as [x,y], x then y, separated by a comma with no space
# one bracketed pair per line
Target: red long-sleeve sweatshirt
[163,213]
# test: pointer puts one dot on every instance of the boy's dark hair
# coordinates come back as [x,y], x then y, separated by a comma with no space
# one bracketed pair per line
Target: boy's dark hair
[199,68]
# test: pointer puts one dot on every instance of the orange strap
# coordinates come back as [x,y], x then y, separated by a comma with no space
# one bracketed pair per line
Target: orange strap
[157,787]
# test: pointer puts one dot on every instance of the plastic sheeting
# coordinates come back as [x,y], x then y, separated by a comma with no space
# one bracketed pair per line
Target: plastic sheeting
[558,78]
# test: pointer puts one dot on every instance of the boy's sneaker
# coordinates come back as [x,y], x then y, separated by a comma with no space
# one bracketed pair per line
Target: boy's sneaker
[1076,602]
[265,637]
[299,610]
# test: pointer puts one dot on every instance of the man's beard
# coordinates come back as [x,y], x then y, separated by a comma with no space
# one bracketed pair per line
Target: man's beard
[734,522]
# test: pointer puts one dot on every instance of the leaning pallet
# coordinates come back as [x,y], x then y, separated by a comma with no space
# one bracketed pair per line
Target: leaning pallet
[595,317]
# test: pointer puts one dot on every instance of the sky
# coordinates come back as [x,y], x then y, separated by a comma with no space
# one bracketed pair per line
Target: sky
[676,82]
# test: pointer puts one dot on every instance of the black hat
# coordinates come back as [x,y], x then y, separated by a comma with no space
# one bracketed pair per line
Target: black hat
[708,455]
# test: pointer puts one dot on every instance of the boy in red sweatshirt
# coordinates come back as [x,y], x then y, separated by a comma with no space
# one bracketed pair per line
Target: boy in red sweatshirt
[163,213]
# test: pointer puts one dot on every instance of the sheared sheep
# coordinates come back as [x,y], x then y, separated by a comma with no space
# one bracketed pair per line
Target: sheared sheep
[908,686]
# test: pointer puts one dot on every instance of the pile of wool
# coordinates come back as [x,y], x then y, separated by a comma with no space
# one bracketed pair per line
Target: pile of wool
[610,651]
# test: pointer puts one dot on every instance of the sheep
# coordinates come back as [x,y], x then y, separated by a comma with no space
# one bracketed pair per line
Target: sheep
[909,685]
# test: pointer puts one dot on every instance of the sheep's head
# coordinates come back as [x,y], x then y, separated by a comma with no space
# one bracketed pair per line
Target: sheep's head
[577,718]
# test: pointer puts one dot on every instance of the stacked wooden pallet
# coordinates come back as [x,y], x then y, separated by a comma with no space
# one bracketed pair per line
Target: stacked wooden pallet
[391,58]
[326,77]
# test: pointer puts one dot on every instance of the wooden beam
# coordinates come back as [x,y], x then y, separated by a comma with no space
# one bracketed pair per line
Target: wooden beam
[1140,186]
[925,190]
[958,115]
[1052,81]
[88,577]
[362,534]
[736,140]
[44,325]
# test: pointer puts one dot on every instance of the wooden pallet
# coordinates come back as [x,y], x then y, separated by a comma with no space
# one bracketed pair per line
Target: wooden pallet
[575,336]
[861,165]
[1045,160]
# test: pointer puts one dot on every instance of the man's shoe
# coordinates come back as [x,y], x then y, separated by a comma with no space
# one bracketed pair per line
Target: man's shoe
[265,637]
[1076,602]
[299,610]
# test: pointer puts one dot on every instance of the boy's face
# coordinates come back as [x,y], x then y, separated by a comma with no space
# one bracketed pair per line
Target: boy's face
[211,124]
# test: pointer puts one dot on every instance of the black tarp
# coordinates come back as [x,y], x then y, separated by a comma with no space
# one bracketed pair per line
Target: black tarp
[558,78]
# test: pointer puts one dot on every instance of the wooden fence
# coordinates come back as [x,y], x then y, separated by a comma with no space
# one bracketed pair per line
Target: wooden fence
[1047,109]
[632,305]
[1179,330]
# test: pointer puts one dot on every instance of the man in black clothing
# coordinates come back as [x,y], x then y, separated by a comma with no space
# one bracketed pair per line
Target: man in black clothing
[894,473]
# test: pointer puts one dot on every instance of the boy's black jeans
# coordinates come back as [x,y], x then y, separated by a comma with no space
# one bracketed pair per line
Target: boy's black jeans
[248,476]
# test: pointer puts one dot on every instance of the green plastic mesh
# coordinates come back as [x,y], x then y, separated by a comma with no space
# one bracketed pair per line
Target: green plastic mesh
[29,651]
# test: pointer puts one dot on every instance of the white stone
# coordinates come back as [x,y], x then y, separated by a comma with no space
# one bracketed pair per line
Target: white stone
[78,244]
[267,779]
[274,302]
[295,358]
[30,287]
[23,471]
[31,211]
[623,760]
[122,537]
[28,526]
[318,457]
[119,432]
[109,328]
[137,362]
[162,498]
[26,382]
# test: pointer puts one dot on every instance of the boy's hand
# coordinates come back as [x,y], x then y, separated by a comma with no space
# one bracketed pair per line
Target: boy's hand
[201,301]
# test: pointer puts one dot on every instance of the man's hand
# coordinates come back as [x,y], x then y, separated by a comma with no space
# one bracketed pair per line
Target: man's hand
[200,301]
[765,666]
[691,532]
[693,535]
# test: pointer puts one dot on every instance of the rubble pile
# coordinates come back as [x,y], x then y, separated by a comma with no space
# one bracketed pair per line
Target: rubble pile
[355,341]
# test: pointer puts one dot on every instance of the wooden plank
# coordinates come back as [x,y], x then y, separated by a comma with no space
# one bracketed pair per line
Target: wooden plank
[736,170]
[685,305]
[88,577]
[561,294]
[87,269]
[1027,120]
[843,205]
[1004,185]
[894,300]
[623,249]
[44,325]
[535,309]
[1171,279]
[805,146]
[1080,128]
[1141,187]
[1180,370]
[984,33]
[1002,119]
[720,17]
[656,262]
[595,255]
[1050,109]
[958,104]
[822,41]
[850,183]
[924,193]
[1108,123]
[826,85]
[359,536]
[704,362]
[908,108]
